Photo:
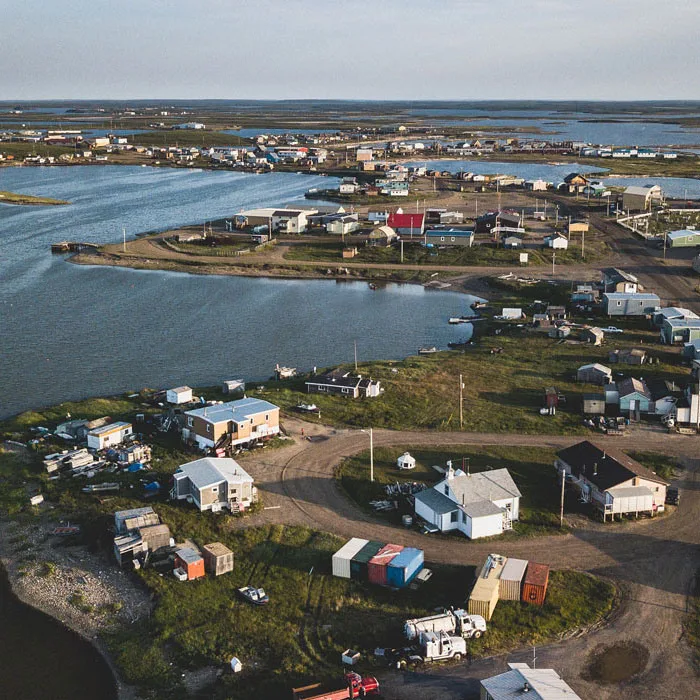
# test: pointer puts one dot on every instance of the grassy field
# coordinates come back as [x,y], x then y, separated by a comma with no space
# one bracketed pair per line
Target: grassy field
[531,469]
[503,391]
[312,616]
[692,623]
[14,198]
[663,465]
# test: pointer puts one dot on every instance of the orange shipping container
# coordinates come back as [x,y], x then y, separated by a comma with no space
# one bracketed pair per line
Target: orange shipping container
[535,583]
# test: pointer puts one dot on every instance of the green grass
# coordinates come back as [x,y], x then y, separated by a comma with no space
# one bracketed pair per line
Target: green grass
[531,469]
[14,198]
[692,621]
[312,616]
[503,392]
[663,465]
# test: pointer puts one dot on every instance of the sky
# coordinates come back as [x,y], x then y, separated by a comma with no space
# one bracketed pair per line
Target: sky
[350,49]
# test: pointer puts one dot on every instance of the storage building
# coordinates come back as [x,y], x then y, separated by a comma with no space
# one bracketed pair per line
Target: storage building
[484,595]
[178,395]
[535,583]
[342,558]
[189,561]
[231,386]
[359,561]
[687,238]
[377,565]
[218,558]
[594,404]
[406,461]
[155,536]
[594,374]
[511,582]
[109,435]
[403,568]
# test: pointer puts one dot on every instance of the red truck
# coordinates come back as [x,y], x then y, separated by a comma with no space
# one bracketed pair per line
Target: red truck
[352,686]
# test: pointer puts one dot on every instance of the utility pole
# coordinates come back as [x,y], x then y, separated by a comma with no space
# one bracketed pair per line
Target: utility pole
[461,402]
[561,507]
[402,250]
[124,236]
[554,255]
[355,345]
[583,243]
[371,451]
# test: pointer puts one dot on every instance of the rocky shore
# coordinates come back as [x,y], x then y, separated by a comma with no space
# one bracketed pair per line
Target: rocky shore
[70,584]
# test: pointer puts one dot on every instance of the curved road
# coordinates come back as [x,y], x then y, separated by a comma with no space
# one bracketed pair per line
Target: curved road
[653,561]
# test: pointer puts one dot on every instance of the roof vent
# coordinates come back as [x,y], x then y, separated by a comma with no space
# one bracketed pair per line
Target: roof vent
[595,468]
[526,687]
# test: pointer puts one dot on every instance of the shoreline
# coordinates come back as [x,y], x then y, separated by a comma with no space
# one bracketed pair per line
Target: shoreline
[25,589]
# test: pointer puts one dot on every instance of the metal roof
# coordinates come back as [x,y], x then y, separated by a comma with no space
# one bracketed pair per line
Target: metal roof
[436,501]
[112,427]
[481,509]
[210,471]
[490,485]
[630,491]
[236,411]
[188,555]
[514,570]
[544,684]
[683,233]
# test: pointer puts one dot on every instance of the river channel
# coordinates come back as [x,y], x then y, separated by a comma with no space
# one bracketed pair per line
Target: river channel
[70,331]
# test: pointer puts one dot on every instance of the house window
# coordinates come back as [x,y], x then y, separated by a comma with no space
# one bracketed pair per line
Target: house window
[447,490]
[251,421]
[464,517]
[215,489]
[453,516]
[267,417]
[442,239]
[190,421]
[452,239]
[619,303]
[208,427]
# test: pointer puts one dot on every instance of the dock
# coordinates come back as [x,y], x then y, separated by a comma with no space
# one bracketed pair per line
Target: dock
[72,247]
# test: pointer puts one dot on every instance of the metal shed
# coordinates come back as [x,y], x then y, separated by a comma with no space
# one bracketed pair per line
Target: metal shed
[403,568]
[484,595]
[511,581]
[535,583]
[342,558]
[359,561]
[377,565]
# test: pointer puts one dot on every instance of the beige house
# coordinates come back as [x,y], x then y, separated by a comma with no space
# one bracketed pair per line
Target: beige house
[214,484]
[611,481]
[241,422]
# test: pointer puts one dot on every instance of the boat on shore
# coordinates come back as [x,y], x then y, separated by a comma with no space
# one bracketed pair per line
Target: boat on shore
[465,319]
[427,350]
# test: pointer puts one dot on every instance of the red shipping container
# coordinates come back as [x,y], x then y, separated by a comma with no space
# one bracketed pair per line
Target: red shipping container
[535,583]
[376,568]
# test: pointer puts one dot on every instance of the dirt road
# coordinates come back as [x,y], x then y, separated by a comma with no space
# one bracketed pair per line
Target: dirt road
[653,561]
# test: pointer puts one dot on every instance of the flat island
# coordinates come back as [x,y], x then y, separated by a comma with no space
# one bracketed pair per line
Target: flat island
[16,198]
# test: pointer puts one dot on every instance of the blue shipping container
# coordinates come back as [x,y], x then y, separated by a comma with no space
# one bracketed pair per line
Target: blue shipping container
[404,567]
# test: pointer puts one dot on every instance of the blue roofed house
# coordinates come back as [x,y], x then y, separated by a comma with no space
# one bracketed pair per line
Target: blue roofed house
[627,304]
[692,349]
[477,505]
[680,330]
[687,238]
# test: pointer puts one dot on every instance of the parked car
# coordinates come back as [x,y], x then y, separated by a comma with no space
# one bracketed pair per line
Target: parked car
[673,496]
[428,529]
[612,329]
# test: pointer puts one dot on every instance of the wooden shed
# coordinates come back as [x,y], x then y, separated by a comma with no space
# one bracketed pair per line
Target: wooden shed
[594,374]
[511,581]
[218,558]
[484,595]
[594,404]
[535,583]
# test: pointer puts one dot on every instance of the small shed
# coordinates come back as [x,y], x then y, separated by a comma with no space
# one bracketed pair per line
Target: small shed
[406,461]
[236,665]
[628,356]
[512,314]
[349,252]
[231,386]
[511,581]
[218,558]
[594,404]
[484,595]
[36,500]
[189,561]
[594,374]
[350,657]
[593,335]
[180,394]
[535,583]
[340,561]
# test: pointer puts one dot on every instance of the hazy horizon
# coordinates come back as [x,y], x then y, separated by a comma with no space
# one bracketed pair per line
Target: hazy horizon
[396,50]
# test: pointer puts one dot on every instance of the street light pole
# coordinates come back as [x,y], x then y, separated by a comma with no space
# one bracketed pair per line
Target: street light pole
[371,451]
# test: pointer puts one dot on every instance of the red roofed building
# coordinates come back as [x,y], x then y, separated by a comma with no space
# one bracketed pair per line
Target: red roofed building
[406,224]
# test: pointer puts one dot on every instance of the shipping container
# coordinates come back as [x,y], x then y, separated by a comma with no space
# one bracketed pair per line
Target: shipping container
[511,581]
[484,595]
[341,559]
[404,566]
[535,583]
[358,564]
[378,564]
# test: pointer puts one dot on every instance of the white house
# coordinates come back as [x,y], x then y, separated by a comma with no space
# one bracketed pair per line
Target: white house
[478,505]
[181,394]
[523,681]
[556,241]
[214,484]
[109,435]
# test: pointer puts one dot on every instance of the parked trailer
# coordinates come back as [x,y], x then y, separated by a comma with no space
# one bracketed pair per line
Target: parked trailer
[450,621]
[352,686]
[440,645]
[535,583]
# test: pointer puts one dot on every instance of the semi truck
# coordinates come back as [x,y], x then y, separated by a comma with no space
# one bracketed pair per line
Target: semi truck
[435,646]
[352,686]
[451,621]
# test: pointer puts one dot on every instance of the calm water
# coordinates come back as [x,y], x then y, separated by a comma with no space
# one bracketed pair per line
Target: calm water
[72,331]
[41,659]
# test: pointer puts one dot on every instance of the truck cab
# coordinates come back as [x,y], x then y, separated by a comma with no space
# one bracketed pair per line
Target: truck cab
[440,645]
[469,625]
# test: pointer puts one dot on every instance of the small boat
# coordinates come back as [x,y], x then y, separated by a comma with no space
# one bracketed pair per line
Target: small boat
[256,596]
[308,408]
[372,286]
[478,305]
[460,319]
[285,372]
[427,350]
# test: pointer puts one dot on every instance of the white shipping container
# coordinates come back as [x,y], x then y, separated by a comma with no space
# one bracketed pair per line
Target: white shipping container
[511,581]
[341,559]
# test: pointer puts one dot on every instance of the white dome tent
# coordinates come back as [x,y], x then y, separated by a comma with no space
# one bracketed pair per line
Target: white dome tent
[406,461]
